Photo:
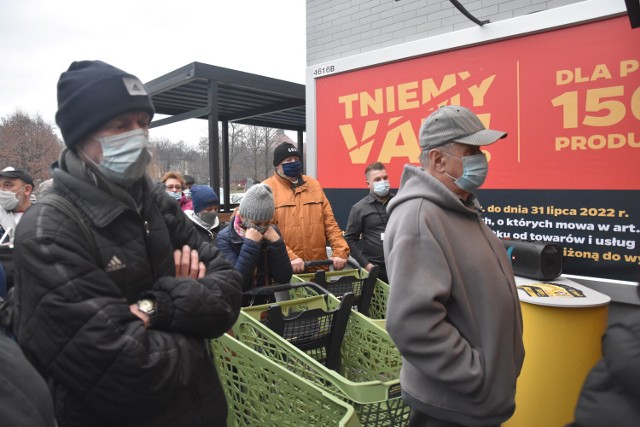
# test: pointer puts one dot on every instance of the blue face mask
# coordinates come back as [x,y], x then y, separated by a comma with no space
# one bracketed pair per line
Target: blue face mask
[125,156]
[175,194]
[293,169]
[474,172]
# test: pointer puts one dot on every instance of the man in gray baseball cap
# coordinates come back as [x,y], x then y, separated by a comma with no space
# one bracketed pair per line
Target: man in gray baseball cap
[453,309]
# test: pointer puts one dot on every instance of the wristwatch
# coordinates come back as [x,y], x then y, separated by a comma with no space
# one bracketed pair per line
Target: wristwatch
[147,306]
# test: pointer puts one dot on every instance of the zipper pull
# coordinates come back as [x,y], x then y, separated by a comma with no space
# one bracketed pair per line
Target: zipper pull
[146,228]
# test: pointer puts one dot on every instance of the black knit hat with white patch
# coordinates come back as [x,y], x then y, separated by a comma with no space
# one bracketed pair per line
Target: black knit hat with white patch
[283,151]
[90,93]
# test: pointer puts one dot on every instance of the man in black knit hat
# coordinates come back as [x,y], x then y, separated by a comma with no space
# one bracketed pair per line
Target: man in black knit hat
[303,213]
[116,301]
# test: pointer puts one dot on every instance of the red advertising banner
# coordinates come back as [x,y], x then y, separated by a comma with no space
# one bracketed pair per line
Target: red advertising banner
[569,170]
[569,99]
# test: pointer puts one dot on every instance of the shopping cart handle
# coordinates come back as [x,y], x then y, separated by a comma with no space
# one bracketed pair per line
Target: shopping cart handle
[319,262]
[286,287]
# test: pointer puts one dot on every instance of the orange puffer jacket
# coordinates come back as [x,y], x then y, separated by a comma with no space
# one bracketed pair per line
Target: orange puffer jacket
[305,218]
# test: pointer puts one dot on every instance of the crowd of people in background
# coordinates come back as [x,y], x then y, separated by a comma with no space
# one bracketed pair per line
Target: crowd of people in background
[111,282]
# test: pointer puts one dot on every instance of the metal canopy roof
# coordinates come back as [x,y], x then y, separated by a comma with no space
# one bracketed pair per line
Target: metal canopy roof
[219,94]
[243,98]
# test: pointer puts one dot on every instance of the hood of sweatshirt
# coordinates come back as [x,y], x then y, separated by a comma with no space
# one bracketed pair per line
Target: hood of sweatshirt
[415,183]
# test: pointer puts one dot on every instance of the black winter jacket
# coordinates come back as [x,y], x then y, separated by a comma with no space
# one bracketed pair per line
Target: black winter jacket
[611,393]
[24,396]
[73,317]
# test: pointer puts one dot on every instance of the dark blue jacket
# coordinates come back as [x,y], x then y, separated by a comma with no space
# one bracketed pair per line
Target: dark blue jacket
[245,255]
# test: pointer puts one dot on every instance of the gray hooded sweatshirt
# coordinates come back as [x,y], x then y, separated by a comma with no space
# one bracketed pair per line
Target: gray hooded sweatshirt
[453,309]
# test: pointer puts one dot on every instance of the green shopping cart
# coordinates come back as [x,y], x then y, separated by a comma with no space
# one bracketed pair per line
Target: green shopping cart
[367,371]
[371,293]
[261,393]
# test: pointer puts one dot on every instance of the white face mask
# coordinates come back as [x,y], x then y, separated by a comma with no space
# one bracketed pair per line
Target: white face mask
[125,156]
[381,188]
[9,200]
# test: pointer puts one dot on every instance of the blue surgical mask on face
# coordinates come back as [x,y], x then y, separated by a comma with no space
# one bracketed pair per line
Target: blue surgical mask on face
[187,193]
[292,169]
[381,188]
[125,156]
[474,172]
[175,194]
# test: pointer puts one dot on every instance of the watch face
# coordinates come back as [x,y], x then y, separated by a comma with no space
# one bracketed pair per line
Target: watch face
[146,306]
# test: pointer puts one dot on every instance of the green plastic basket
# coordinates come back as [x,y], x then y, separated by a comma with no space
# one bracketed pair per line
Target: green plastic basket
[378,305]
[261,393]
[368,376]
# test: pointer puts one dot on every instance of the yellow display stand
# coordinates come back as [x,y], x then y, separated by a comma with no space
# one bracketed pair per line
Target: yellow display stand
[562,340]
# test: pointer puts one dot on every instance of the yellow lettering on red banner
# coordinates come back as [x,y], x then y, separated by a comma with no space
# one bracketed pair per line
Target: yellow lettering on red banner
[479,91]
[596,142]
[628,67]
[359,148]
[569,100]
[400,141]
[411,95]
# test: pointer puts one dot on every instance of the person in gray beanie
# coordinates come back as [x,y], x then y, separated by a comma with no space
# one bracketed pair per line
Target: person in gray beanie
[253,244]
[118,292]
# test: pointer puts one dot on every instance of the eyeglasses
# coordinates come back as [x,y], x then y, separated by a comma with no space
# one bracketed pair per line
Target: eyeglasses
[174,187]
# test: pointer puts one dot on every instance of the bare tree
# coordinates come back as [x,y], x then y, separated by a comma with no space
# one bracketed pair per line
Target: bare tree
[250,150]
[271,139]
[254,148]
[237,142]
[28,143]
[199,168]
[161,159]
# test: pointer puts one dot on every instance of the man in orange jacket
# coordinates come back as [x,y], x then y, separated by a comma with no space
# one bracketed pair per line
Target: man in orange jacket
[303,213]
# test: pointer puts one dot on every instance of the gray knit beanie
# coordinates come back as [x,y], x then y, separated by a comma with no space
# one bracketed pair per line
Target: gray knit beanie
[257,203]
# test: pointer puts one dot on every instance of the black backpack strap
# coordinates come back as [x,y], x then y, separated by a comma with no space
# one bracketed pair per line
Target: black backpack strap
[71,211]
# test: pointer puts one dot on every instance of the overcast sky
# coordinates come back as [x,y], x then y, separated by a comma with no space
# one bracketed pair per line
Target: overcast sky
[147,38]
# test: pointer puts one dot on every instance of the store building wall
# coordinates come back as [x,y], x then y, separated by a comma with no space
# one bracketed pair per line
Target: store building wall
[339,28]
[345,36]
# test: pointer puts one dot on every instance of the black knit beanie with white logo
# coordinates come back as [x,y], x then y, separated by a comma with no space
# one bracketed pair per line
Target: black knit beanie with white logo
[90,93]
[283,151]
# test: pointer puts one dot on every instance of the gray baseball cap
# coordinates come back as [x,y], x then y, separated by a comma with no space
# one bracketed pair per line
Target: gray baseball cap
[453,123]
